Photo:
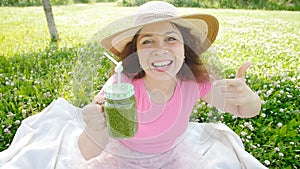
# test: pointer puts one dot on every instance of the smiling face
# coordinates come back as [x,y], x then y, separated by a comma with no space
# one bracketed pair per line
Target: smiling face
[160,50]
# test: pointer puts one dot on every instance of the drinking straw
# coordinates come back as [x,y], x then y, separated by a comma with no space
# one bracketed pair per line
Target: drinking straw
[118,68]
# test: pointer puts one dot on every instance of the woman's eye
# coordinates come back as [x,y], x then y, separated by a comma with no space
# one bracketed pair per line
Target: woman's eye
[145,42]
[171,39]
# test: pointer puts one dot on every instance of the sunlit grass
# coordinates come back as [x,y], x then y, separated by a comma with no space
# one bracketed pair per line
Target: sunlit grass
[33,72]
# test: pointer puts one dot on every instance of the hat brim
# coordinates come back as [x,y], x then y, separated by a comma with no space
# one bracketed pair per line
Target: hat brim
[202,25]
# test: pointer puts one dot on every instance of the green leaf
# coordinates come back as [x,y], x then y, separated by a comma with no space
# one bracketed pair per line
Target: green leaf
[292,133]
[283,130]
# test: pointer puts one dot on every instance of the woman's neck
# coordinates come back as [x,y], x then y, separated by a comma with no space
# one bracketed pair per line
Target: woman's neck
[160,90]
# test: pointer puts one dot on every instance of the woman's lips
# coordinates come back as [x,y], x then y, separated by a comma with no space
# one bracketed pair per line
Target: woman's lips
[162,65]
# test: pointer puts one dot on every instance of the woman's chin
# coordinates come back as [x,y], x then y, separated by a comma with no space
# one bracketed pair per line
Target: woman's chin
[161,75]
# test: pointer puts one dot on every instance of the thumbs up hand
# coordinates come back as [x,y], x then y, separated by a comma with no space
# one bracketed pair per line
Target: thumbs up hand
[242,70]
[235,90]
[239,99]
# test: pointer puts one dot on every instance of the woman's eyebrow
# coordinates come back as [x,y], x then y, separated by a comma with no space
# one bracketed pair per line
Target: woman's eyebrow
[171,32]
[150,34]
[145,35]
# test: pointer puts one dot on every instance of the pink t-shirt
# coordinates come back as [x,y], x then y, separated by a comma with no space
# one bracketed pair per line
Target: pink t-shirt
[160,124]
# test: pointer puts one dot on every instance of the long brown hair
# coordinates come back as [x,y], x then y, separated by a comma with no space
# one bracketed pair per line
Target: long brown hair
[192,69]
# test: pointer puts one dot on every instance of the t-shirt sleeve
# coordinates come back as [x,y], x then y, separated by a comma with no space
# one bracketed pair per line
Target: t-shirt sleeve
[204,88]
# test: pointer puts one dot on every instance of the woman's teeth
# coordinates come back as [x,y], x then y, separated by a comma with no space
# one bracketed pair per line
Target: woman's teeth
[161,64]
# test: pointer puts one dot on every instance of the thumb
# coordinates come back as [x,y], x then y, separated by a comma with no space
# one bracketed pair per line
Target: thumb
[242,70]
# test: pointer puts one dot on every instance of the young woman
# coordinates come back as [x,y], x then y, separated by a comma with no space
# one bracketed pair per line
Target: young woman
[163,56]
[161,59]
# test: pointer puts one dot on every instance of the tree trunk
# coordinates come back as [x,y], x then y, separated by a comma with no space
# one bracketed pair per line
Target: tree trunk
[50,20]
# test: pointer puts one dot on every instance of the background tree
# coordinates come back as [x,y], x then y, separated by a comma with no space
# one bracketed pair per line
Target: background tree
[50,20]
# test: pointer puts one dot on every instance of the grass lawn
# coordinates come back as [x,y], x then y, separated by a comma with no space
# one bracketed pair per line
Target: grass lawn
[33,72]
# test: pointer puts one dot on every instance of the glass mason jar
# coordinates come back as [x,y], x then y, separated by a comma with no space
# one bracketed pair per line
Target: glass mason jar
[120,111]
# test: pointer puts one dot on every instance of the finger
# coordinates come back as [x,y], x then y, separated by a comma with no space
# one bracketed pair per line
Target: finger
[228,95]
[232,101]
[100,107]
[99,99]
[233,89]
[227,89]
[91,109]
[227,82]
[93,117]
[97,115]
[95,122]
[242,70]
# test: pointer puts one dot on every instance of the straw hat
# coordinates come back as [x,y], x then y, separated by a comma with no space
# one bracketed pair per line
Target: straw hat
[203,26]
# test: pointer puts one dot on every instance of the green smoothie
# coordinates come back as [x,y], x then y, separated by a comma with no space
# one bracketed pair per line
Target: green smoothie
[120,111]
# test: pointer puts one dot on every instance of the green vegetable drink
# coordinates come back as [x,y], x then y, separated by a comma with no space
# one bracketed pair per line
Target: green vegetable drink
[120,111]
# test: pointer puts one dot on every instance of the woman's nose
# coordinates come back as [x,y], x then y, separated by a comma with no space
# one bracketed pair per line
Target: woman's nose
[159,51]
[160,48]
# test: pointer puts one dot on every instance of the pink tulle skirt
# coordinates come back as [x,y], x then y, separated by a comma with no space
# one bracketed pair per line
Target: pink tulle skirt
[202,146]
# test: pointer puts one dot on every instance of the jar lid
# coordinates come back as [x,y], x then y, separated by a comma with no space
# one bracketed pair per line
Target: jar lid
[119,91]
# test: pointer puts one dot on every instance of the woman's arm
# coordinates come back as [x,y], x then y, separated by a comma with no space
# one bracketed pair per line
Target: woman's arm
[234,96]
[95,135]
[87,147]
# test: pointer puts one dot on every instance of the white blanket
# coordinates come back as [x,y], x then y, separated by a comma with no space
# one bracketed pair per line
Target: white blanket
[46,140]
